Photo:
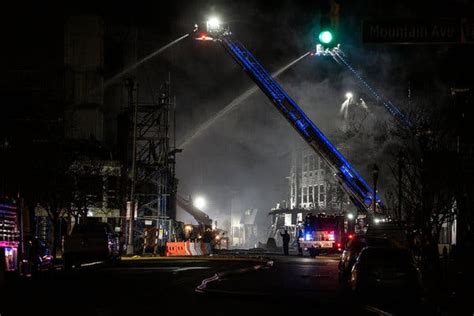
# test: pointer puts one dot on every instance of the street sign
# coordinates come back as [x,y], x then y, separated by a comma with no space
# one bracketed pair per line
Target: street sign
[418,31]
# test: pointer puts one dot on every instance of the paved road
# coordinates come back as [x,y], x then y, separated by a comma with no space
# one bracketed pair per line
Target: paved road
[135,287]
[290,285]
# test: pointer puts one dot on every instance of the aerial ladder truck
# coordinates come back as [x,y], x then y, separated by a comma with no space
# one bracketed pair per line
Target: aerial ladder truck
[359,192]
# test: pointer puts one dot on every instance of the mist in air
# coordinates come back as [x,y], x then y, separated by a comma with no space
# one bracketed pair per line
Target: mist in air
[235,144]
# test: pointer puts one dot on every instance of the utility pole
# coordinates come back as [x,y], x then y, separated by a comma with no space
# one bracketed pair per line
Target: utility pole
[131,203]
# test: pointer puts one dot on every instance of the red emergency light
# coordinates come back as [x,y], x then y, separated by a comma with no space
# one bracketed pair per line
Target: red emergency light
[203,36]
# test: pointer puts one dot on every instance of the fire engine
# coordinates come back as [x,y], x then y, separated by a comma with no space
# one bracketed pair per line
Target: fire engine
[322,233]
[360,193]
[9,238]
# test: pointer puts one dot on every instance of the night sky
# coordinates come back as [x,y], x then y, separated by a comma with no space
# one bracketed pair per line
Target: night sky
[247,153]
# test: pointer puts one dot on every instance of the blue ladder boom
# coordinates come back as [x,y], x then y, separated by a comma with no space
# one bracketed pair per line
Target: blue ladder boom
[360,193]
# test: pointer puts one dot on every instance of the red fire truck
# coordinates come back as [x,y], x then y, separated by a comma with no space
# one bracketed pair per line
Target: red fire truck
[9,238]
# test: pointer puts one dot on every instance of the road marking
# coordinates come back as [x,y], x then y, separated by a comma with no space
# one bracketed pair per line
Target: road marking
[202,288]
[376,310]
[91,264]
[190,268]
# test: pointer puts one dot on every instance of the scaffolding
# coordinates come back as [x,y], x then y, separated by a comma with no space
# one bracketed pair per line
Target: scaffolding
[152,182]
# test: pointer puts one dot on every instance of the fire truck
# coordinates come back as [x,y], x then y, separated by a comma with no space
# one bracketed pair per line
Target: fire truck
[360,193]
[322,233]
[9,238]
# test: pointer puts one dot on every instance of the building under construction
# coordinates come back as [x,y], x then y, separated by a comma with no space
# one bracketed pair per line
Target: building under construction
[146,132]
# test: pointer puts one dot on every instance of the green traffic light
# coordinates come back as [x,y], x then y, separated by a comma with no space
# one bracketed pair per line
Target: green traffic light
[325,37]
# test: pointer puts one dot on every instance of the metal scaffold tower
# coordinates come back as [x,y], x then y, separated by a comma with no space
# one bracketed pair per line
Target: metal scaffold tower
[152,192]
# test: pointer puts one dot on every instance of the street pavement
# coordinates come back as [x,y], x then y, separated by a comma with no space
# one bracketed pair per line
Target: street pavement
[295,284]
[212,286]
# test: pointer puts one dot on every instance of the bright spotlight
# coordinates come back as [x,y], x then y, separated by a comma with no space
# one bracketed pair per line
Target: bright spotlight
[376,220]
[213,24]
[349,95]
[350,216]
[199,202]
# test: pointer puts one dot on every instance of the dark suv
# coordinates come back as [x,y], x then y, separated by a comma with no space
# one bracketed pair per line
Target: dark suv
[379,271]
[91,242]
[352,250]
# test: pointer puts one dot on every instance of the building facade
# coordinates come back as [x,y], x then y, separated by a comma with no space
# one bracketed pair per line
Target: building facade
[313,186]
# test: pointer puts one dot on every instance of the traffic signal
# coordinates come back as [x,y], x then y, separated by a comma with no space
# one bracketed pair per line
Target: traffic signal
[328,23]
[325,37]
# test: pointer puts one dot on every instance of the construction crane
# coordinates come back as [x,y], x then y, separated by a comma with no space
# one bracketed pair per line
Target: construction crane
[201,218]
[360,193]
[219,237]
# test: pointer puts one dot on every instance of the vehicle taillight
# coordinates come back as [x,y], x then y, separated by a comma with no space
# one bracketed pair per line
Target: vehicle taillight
[350,236]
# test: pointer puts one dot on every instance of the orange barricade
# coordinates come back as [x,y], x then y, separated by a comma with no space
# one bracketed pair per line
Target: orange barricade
[181,249]
[187,249]
[170,249]
[176,249]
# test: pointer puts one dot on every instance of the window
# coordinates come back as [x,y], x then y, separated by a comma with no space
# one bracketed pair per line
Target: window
[305,163]
[310,194]
[305,195]
[321,193]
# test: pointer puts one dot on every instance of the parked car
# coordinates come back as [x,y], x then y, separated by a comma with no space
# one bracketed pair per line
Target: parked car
[352,250]
[379,270]
[91,242]
[39,256]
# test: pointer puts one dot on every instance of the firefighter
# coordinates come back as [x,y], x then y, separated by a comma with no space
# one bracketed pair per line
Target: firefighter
[286,242]
[299,234]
